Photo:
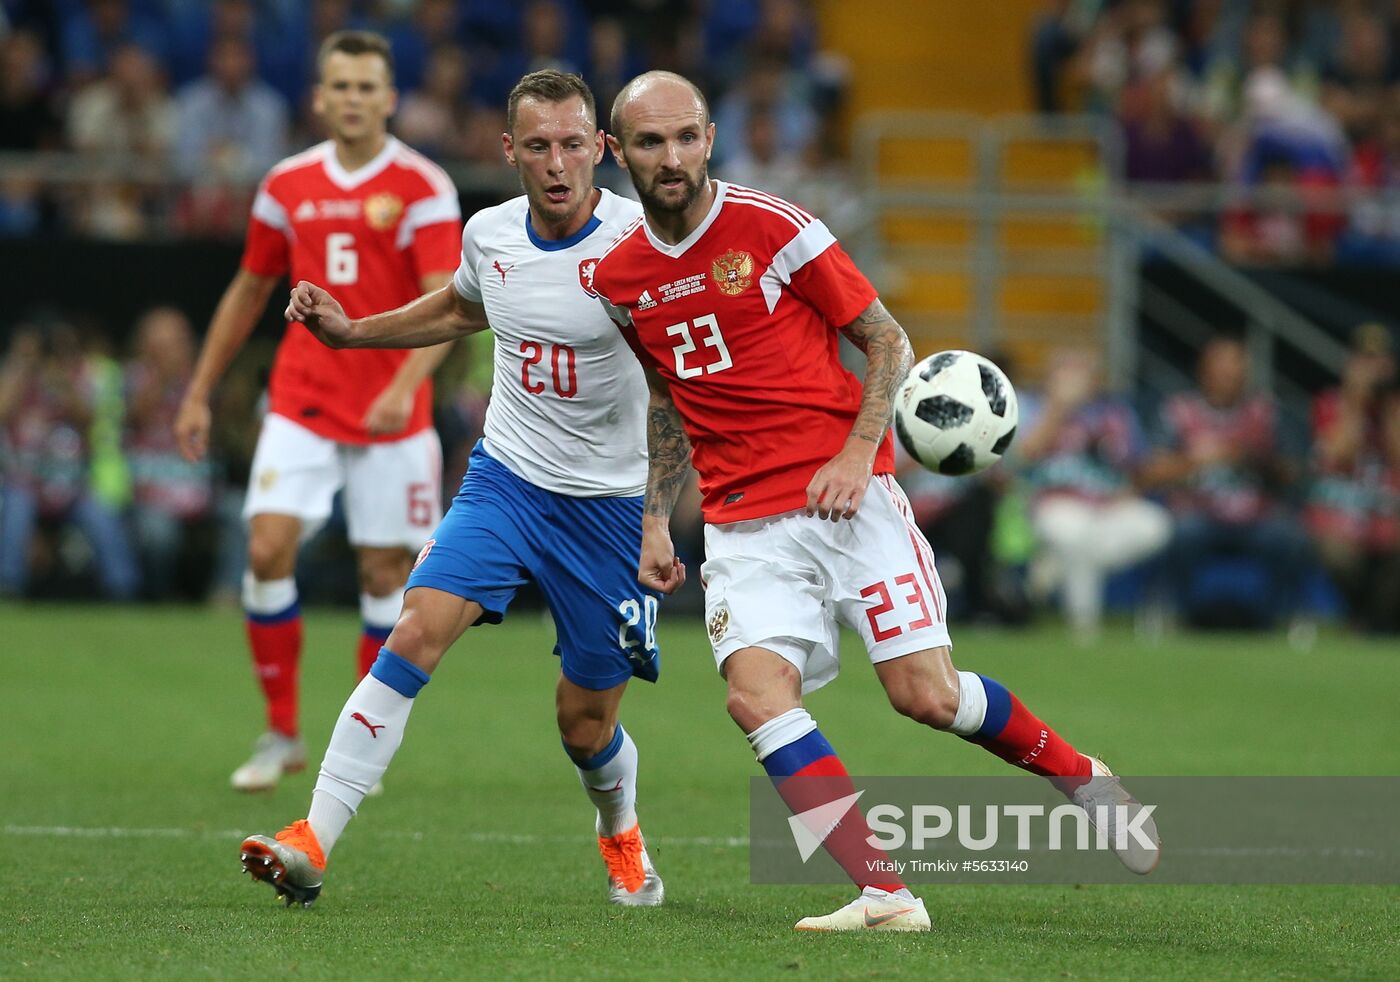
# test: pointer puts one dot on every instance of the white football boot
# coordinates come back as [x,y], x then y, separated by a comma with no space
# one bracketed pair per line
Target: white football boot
[873,910]
[632,879]
[1106,792]
[273,755]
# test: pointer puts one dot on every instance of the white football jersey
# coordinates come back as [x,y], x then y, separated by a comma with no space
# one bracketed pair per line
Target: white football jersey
[568,404]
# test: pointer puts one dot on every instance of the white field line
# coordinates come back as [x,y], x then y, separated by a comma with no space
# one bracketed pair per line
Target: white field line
[528,839]
[507,838]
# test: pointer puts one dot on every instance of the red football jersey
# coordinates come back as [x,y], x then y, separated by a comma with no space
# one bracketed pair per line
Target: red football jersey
[368,236]
[742,318]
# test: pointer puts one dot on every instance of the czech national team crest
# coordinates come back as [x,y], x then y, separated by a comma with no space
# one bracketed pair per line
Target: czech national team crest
[586,268]
[733,272]
[383,210]
[423,553]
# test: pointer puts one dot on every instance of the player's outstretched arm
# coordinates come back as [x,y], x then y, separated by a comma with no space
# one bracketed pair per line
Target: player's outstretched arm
[392,409]
[838,488]
[237,314]
[668,452]
[443,315]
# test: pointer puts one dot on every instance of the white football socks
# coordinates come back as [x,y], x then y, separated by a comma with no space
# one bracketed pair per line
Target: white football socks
[366,736]
[612,784]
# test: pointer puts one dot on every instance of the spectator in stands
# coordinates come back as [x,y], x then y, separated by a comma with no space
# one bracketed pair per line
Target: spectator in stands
[1357,84]
[127,114]
[28,122]
[1264,45]
[611,64]
[958,516]
[230,125]
[1055,39]
[1163,144]
[93,32]
[124,120]
[482,137]
[1283,226]
[433,26]
[545,41]
[1383,612]
[1083,451]
[172,496]
[27,117]
[1349,443]
[1221,462]
[761,160]
[433,118]
[46,407]
[768,88]
[1296,153]
[1372,236]
[1131,41]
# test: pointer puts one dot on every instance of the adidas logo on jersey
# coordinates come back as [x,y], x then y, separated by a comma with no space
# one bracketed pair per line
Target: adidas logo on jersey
[645,301]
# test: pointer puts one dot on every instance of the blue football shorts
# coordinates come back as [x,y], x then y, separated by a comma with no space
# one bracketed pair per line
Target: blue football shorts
[503,532]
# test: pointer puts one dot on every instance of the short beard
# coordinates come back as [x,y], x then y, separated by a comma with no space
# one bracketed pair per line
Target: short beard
[653,202]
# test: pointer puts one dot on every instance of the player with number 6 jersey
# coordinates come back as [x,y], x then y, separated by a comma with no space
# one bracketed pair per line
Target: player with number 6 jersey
[553,493]
[380,224]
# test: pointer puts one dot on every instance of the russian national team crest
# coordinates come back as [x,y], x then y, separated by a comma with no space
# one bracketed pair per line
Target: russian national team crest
[733,272]
[718,623]
[586,269]
[383,210]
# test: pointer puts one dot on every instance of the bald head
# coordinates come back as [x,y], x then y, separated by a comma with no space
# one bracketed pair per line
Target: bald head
[651,90]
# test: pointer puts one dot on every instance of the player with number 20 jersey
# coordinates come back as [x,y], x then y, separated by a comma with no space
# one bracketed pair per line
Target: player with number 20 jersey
[553,494]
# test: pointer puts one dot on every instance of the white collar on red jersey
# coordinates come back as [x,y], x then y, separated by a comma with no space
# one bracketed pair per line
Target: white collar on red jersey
[347,180]
[679,249]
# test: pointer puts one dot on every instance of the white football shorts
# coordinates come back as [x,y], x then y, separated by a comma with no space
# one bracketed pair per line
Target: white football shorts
[788,581]
[392,490]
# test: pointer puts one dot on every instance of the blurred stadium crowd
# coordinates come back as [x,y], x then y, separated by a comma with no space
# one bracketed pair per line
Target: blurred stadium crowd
[1210,511]
[1299,99]
[211,94]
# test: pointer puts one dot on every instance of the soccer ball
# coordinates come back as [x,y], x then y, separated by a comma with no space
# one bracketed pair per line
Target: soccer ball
[955,413]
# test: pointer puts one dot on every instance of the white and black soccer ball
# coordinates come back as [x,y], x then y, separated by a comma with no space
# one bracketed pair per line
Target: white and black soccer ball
[955,413]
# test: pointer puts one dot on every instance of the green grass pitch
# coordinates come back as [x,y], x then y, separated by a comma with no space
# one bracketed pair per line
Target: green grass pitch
[119,728]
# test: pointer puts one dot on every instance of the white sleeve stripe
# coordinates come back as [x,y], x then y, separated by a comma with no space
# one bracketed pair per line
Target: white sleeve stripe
[269,211]
[429,171]
[769,208]
[801,212]
[758,197]
[805,246]
[426,211]
[310,155]
[748,194]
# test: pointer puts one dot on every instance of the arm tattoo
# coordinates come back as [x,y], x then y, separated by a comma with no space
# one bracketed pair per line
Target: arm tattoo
[668,452]
[888,360]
